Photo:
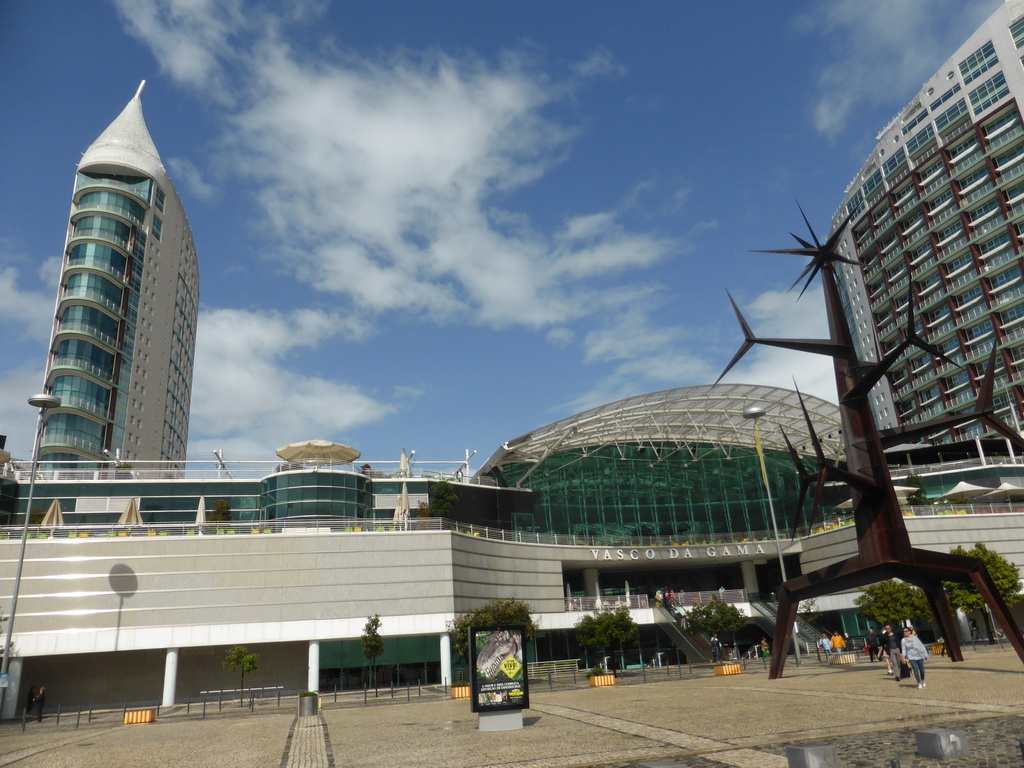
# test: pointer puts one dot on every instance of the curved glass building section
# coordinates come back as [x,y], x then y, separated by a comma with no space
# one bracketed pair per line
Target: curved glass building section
[316,494]
[124,327]
[680,463]
[936,218]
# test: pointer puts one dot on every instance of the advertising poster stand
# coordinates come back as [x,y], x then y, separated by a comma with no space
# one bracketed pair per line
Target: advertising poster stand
[499,688]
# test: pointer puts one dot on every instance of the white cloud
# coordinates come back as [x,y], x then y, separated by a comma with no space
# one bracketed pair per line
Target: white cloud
[27,313]
[17,417]
[185,174]
[243,386]
[778,314]
[387,177]
[599,63]
[872,59]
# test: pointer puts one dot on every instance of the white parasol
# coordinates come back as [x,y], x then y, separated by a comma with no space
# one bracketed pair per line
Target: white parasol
[1004,491]
[318,452]
[964,490]
[53,515]
[402,510]
[201,511]
[131,515]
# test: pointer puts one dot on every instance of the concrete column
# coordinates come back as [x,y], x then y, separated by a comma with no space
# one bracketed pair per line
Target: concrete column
[170,677]
[749,578]
[313,677]
[13,694]
[591,585]
[446,660]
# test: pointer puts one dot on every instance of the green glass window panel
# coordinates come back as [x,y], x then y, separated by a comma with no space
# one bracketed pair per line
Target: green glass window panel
[989,92]
[978,62]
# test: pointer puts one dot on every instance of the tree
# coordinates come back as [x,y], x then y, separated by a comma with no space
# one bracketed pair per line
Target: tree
[221,512]
[604,629]
[966,597]
[373,643]
[808,611]
[892,602]
[239,658]
[442,499]
[495,613]
[917,497]
[716,617]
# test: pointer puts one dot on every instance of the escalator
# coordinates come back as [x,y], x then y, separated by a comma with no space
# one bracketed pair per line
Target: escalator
[764,614]
[694,646]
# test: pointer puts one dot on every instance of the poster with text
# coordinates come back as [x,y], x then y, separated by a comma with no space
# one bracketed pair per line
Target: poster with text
[498,668]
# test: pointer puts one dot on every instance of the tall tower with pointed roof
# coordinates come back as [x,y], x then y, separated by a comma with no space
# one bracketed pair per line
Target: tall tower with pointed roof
[121,353]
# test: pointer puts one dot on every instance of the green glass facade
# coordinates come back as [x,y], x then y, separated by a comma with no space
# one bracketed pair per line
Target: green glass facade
[624,490]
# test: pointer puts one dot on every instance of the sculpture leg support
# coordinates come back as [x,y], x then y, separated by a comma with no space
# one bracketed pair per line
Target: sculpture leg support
[1000,611]
[940,607]
[783,631]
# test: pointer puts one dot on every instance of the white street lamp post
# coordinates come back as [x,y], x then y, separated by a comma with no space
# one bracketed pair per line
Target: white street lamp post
[755,412]
[43,403]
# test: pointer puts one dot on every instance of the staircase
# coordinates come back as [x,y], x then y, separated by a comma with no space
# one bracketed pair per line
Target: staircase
[695,648]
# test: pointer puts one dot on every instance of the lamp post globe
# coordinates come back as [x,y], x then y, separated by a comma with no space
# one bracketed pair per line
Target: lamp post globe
[44,401]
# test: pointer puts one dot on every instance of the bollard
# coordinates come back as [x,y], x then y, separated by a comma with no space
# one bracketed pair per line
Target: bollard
[90,713]
[204,707]
[58,714]
[408,692]
[79,718]
[279,697]
[220,703]
[941,743]
[392,689]
[551,680]
[335,693]
[188,705]
[252,703]
[364,695]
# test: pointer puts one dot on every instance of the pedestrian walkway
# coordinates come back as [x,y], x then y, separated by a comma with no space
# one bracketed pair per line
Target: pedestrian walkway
[740,721]
[308,745]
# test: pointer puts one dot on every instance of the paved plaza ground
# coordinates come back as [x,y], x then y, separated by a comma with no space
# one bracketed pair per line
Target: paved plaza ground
[700,721]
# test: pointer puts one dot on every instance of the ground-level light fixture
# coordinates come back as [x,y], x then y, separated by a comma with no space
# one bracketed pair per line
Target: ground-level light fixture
[43,402]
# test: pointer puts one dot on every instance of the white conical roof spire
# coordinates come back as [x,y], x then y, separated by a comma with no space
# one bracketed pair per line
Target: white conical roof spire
[125,142]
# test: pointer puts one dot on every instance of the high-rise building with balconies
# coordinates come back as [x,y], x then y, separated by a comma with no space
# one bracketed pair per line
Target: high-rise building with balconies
[936,218]
[123,343]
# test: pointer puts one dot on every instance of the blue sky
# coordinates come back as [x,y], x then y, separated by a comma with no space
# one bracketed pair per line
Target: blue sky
[439,225]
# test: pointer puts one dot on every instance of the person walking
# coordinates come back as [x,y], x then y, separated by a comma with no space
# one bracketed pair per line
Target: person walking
[892,647]
[766,650]
[824,645]
[838,643]
[871,644]
[915,653]
[40,701]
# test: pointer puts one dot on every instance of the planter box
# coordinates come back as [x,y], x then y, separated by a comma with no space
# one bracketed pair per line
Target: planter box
[938,649]
[460,692]
[309,706]
[728,669]
[134,716]
[599,681]
[836,659]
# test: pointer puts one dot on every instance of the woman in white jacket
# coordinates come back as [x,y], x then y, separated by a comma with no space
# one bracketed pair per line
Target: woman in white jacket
[915,653]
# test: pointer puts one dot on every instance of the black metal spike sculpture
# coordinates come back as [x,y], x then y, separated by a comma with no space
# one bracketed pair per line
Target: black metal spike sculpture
[883,543]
